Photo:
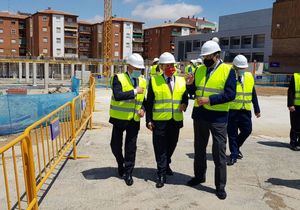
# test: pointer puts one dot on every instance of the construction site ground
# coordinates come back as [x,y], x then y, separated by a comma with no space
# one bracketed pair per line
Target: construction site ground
[267,178]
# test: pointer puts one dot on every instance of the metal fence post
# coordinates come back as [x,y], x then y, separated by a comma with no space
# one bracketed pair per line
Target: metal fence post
[73,126]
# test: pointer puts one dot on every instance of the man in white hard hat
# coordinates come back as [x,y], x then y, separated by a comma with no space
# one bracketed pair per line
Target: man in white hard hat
[126,109]
[166,101]
[154,69]
[214,84]
[239,121]
[199,62]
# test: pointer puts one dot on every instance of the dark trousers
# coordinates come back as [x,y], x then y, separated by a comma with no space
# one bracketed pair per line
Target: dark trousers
[202,131]
[239,129]
[130,145]
[165,138]
[295,128]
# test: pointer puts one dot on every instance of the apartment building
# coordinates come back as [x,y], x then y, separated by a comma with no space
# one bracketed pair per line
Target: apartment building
[85,39]
[12,34]
[160,39]
[201,24]
[246,33]
[54,34]
[286,37]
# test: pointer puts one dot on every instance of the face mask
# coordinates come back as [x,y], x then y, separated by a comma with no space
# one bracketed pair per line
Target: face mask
[136,74]
[208,62]
[241,72]
[170,71]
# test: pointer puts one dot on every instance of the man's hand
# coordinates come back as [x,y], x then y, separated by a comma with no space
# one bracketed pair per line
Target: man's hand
[141,113]
[189,79]
[258,115]
[292,108]
[139,90]
[182,108]
[150,126]
[202,101]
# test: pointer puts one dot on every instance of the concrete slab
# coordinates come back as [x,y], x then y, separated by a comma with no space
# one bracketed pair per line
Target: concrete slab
[267,178]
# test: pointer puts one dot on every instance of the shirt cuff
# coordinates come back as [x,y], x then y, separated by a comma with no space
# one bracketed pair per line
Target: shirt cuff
[135,92]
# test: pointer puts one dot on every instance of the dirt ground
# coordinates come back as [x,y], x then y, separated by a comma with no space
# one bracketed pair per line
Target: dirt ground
[267,178]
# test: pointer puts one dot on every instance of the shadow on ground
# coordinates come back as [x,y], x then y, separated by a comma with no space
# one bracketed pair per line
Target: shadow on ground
[286,183]
[146,174]
[274,144]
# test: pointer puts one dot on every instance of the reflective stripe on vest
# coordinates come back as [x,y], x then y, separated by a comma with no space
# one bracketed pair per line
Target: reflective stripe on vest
[166,104]
[297,89]
[128,109]
[243,98]
[214,85]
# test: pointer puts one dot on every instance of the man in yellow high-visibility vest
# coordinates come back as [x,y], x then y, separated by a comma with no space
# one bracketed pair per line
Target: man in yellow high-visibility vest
[214,85]
[154,69]
[166,101]
[239,121]
[126,109]
[294,108]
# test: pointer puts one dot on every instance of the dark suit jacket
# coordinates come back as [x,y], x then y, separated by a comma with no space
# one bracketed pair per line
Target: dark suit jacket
[119,95]
[149,108]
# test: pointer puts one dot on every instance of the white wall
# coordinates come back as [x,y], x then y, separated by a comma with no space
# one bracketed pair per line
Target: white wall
[185,31]
[58,22]
[127,39]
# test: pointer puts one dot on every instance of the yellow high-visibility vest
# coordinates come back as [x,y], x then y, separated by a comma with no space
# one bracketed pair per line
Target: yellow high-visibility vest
[214,85]
[153,71]
[128,109]
[243,99]
[167,103]
[297,89]
[190,69]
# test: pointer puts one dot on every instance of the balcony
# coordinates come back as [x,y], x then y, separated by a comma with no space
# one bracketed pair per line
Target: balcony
[138,49]
[71,24]
[70,45]
[84,49]
[84,40]
[140,40]
[85,31]
[71,55]
[137,30]
[71,35]
[176,33]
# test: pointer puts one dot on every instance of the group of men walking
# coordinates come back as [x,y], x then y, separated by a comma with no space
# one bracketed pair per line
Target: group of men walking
[223,97]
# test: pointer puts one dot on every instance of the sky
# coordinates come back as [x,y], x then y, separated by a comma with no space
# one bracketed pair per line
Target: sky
[152,12]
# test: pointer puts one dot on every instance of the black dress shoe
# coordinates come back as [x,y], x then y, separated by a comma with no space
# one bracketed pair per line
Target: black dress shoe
[160,182]
[121,171]
[294,148]
[240,155]
[169,171]
[221,194]
[195,181]
[128,179]
[231,162]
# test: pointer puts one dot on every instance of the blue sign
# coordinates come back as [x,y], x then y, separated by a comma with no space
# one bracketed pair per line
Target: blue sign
[54,128]
[259,77]
[83,104]
[275,64]
[99,76]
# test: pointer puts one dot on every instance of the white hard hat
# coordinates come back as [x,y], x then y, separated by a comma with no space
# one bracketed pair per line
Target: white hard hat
[199,60]
[136,60]
[210,47]
[166,58]
[216,39]
[155,60]
[240,61]
[193,61]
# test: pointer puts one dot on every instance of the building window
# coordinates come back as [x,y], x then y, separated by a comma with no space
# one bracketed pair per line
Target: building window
[1,31]
[13,41]
[13,31]
[1,50]
[45,50]
[58,40]
[57,17]
[116,54]
[117,25]
[116,34]
[13,22]
[45,40]
[45,29]
[70,20]
[116,44]
[1,21]
[58,51]
[13,50]
[58,30]
[1,40]
[45,18]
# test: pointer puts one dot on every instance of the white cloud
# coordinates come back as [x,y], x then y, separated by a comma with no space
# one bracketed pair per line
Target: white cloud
[96,19]
[157,10]
[128,1]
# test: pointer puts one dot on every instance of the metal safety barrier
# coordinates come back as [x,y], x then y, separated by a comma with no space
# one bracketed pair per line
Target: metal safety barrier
[28,161]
